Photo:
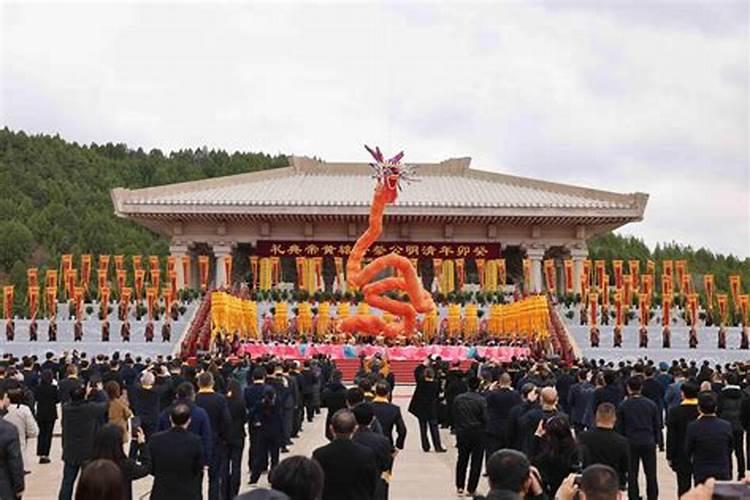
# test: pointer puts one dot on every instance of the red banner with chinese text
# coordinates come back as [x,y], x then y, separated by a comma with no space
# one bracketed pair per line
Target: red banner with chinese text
[460,273]
[666,310]
[502,274]
[599,266]
[104,262]
[643,306]
[119,262]
[444,250]
[722,300]
[121,275]
[140,276]
[203,271]
[617,268]
[8,301]
[51,301]
[693,308]
[33,300]
[617,298]
[51,279]
[634,267]
[85,270]
[568,264]
[32,276]
[549,274]
[708,286]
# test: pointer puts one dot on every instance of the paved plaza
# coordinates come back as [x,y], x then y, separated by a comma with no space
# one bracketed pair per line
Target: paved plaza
[417,476]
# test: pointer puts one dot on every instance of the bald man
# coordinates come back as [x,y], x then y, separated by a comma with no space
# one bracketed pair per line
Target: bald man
[548,408]
[350,469]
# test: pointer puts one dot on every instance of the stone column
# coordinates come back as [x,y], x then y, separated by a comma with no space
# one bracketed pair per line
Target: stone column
[220,252]
[578,254]
[179,252]
[536,255]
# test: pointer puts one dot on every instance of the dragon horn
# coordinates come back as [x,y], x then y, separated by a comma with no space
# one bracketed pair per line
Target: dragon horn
[396,158]
[373,153]
[380,154]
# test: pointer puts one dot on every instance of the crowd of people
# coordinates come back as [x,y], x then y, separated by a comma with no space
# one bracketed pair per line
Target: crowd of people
[536,429]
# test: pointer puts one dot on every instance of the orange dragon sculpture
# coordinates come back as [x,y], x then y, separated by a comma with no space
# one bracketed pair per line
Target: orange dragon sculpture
[389,174]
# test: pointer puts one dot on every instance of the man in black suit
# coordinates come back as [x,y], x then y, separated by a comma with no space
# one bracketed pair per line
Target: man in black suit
[333,398]
[11,458]
[176,459]
[389,415]
[678,419]
[80,419]
[581,402]
[469,422]
[500,401]
[654,391]
[217,409]
[638,420]
[350,469]
[602,445]
[379,444]
[69,383]
[708,442]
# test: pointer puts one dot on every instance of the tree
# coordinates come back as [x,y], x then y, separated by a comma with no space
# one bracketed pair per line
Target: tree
[16,243]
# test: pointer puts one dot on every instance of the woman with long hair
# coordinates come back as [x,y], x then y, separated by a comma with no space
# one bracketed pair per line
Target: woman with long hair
[100,479]
[108,446]
[236,436]
[119,410]
[554,452]
[47,397]
[267,419]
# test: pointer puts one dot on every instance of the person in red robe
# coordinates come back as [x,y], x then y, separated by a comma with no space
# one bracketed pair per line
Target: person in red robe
[666,337]
[52,330]
[722,340]
[617,337]
[149,334]
[643,337]
[33,331]
[125,331]
[78,331]
[594,336]
[166,331]
[693,338]
[744,340]
[105,331]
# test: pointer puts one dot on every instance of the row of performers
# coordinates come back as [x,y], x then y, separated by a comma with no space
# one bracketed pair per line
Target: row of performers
[166,331]
[269,327]
[666,338]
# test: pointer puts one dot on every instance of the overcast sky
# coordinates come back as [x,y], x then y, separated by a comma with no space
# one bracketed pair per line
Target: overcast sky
[619,95]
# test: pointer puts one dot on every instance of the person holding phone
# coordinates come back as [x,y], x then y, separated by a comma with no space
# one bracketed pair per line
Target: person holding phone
[108,446]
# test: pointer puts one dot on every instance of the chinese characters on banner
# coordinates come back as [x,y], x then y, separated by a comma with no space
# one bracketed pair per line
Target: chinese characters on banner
[431,250]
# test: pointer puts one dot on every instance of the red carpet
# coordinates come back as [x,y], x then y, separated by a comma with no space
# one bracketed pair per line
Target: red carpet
[402,370]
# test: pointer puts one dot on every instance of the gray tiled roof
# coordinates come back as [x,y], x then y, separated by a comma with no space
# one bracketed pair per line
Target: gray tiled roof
[450,184]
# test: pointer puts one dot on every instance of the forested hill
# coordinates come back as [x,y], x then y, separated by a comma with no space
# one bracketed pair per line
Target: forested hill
[54,199]
[54,195]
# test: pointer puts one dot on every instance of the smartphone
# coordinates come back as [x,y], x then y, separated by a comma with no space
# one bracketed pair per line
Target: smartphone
[135,424]
[731,490]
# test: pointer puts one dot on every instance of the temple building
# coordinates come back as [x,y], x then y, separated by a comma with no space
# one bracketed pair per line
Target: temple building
[318,209]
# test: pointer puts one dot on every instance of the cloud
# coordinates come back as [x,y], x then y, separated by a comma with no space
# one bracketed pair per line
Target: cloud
[623,96]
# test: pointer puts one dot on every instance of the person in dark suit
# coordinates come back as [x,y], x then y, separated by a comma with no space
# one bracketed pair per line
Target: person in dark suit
[47,397]
[678,419]
[380,445]
[253,395]
[145,401]
[423,405]
[610,393]
[581,402]
[10,330]
[603,445]
[80,419]
[350,469]
[730,409]
[333,398]
[11,459]
[200,425]
[708,442]
[216,407]
[389,415]
[69,383]
[177,459]
[469,421]
[638,421]
[267,419]
[500,401]
[654,391]
[235,437]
